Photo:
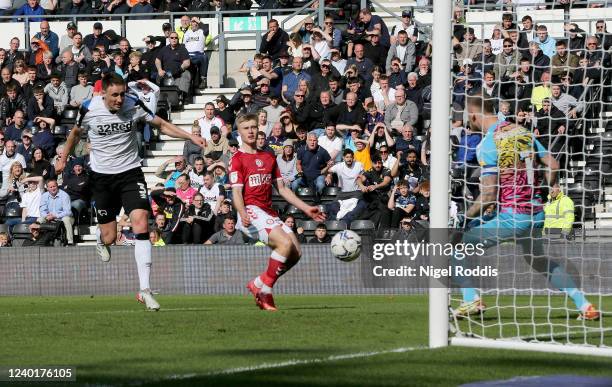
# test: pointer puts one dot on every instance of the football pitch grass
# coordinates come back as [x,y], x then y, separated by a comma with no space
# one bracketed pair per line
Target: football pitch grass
[227,341]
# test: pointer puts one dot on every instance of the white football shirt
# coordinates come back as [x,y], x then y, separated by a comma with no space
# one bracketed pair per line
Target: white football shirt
[114,145]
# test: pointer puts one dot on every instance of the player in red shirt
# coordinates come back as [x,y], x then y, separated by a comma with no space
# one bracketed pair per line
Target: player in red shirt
[252,173]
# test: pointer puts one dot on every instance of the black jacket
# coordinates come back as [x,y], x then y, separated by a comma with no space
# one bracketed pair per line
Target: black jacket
[8,107]
[276,45]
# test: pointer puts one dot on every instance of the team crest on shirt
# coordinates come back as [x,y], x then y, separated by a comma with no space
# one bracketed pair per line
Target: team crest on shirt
[259,163]
[234,177]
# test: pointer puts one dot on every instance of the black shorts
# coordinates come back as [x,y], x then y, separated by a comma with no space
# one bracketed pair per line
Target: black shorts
[112,191]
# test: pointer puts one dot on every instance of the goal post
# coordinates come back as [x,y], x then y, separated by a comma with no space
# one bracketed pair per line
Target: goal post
[520,312]
[440,125]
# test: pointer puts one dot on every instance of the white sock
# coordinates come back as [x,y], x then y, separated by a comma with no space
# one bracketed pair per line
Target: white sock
[98,236]
[142,253]
[264,288]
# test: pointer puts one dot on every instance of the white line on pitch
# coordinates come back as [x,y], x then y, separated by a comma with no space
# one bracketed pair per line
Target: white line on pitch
[289,363]
[136,310]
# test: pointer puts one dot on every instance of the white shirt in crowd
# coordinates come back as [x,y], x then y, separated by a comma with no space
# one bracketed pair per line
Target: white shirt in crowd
[149,98]
[30,200]
[332,146]
[194,41]
[347,176]
[206,124]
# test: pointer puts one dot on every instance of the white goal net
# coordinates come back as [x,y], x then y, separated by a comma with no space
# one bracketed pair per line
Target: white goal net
[529,98]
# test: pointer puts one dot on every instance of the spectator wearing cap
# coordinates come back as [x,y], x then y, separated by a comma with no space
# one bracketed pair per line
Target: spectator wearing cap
[406,25]
[243,100]
[217,146]
[66,40]
[142,6]
[49,37]
[174,60]
[148,58]
[96,38]
[274,41]
[77,7]
[173,209]
[55,207]
[30,8]
[58,91]
[26,149]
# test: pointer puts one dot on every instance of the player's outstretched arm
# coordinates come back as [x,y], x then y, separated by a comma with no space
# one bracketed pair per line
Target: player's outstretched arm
[174,131]
[71,141]
[488,195]
[292,199]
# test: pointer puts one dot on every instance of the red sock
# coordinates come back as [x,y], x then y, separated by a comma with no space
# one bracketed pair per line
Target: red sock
[277,266]
[274,271]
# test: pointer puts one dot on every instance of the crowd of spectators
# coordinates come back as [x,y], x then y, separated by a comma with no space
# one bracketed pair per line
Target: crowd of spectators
[345,109]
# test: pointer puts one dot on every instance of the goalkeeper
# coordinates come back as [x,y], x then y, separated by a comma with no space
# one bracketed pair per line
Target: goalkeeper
[508,156]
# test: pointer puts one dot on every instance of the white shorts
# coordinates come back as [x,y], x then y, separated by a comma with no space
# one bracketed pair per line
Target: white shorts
[261,225]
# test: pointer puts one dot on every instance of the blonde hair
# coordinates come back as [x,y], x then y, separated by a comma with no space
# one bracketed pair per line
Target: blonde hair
[12,176]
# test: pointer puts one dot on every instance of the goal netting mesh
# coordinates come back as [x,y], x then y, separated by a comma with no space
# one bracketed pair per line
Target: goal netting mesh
[544,67]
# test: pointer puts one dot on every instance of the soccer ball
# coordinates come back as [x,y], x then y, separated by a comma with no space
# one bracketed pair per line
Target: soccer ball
[346,245]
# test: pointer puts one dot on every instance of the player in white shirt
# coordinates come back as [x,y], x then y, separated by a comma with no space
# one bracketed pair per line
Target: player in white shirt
[209,120]
[195,43]
[116,179]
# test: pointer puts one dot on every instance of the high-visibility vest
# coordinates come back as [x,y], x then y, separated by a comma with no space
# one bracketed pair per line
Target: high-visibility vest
[559,213]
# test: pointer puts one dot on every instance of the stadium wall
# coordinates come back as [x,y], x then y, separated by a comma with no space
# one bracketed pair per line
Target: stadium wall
[224,270]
